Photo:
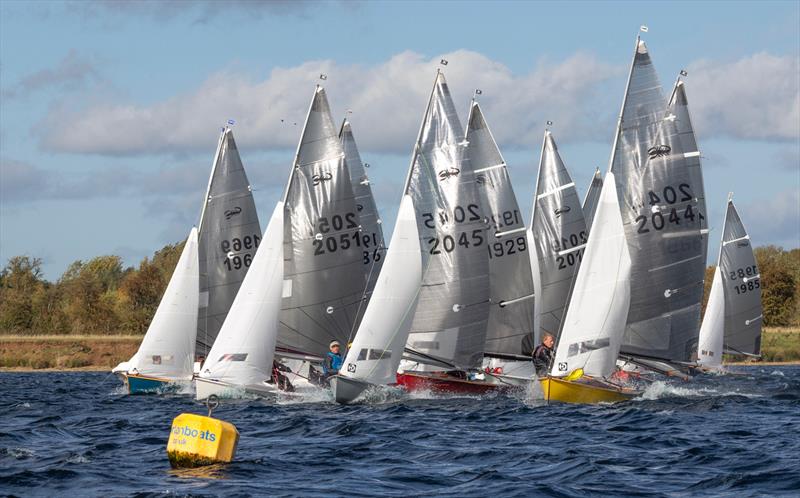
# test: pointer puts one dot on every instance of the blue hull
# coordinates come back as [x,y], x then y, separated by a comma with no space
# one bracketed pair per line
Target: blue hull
[138,384]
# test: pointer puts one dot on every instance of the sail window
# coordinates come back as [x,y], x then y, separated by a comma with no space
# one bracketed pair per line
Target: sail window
[233,357]
[378,354]
[426,344]
[362,355]
[586,346]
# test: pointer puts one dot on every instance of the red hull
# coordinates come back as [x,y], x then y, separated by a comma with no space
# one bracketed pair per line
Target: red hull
[443,383]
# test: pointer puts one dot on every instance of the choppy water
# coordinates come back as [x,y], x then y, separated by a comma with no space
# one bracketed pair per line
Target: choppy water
[75,434]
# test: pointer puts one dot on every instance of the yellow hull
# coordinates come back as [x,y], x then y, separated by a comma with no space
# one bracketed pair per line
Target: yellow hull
[565,391]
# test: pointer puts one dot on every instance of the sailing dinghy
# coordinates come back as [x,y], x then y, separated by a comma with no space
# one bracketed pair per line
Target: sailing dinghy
[432,295]
[166,355]
[732,322]
[639,286]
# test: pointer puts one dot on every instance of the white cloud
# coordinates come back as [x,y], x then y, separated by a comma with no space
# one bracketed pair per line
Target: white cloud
[387,100]
[756,97]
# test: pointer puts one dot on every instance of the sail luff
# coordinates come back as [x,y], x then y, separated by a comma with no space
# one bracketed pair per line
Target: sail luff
[211,178]
[622,107]
[299,145]
[589,205]
[418,142]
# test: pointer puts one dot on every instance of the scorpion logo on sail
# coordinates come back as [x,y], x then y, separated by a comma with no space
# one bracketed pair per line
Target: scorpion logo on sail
[230,213]
[324,177]
[447,173]
[562,210]
[658,151]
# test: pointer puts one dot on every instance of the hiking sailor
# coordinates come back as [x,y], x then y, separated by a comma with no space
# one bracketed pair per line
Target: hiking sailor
[543,355]
[333,361]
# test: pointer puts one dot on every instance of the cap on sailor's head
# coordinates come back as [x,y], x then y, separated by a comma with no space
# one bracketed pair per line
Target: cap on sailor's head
[333,343]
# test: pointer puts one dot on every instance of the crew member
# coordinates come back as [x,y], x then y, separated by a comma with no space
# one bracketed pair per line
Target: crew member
[333,360]
[543,355]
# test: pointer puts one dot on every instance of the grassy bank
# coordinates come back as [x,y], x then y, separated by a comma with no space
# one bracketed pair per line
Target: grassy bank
[103,352]
[66,352]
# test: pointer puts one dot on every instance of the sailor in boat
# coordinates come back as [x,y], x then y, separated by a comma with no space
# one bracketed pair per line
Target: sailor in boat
[543,355]
[333,361]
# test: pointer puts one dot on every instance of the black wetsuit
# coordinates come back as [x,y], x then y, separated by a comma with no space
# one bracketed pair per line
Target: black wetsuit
[542,358]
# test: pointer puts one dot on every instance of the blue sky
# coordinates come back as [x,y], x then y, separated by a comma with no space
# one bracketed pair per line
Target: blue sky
[109,111]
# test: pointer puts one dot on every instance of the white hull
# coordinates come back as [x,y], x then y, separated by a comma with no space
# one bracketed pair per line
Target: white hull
[208,387]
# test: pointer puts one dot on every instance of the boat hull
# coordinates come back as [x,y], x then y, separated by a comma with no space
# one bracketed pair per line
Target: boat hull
[566,391]
[345,389]
[208,387]
[445,384]
[143,384]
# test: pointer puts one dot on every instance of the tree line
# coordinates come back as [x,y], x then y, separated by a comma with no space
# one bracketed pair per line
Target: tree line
[101,296]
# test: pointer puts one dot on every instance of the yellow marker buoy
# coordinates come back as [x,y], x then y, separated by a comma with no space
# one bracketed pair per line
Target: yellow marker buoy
[196,440]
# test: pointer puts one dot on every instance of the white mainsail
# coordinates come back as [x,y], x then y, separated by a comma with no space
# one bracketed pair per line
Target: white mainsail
[167,350]
[732,322]
[243,352]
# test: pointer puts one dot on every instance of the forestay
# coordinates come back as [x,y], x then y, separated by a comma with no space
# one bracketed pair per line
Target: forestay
[167,349]
[451,316]
[228,238]
[243,352]
[324,270]
[374,248]
[732,322]
[591,198]
[559,231]
[510,326]
[662,217]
